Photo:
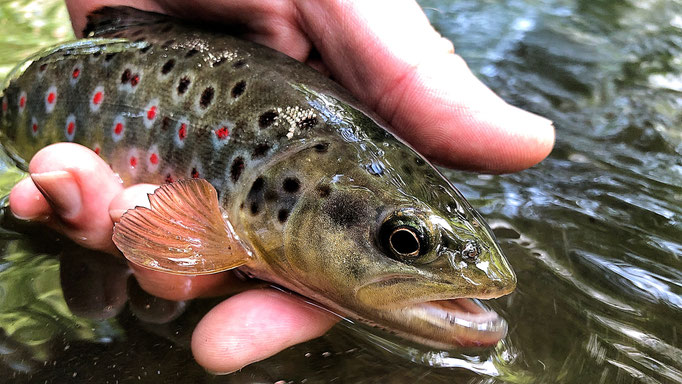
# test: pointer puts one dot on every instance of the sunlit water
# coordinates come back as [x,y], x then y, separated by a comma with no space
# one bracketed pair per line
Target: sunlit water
[594,232]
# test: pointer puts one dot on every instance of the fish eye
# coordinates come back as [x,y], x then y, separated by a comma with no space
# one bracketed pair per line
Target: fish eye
[404,241]
[404,237]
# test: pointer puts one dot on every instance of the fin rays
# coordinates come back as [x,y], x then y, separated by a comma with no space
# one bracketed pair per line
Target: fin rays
[183,232]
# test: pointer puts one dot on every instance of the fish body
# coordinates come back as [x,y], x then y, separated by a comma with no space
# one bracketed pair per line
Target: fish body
[303,186]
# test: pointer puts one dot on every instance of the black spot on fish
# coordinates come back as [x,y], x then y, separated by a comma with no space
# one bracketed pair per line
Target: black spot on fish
[291,185]
[110,56]
[307,123]
[168,66]
[237,168]
[194,173]
[165,123]
[419,161]
[97,54]
[407,170]
[126,75]
[266,119]
[345,210]
[146,48]
[238,89]
[323,190]
[239,63]
[42,67]
[283,215]
[206,97]
[257,185]
[260,150]
[218,62]
[167,43]
[255,208]
[321,147]
[183,84]
[169,178]
[141,39]
[191,52]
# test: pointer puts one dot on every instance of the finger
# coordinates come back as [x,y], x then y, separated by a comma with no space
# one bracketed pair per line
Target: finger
[131,197]
[27,203]
[254,325]
[271,23]
[78,185]
[402,68]
[179,287]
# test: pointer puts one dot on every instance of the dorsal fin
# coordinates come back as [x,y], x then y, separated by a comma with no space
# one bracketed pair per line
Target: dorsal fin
[107,20]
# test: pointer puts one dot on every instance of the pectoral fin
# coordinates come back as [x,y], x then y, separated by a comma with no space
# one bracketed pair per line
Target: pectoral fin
[184,232]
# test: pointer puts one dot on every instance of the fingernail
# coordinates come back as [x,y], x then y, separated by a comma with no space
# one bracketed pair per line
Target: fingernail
[38,218]
[116,214]
[61,191]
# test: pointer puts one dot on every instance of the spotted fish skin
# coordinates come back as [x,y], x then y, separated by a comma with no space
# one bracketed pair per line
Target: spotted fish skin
[329,203]
[159,109]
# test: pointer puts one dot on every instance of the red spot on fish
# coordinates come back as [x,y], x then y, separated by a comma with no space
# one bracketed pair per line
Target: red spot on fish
[195,173]
[76,72]
[134,80]
[154,158]
[118,128]
[51,97]
[97,98]
[169,179]
[222,133]
[182,132]
[22,102]
[151,113]
[97,150]
[71,127]
[34,127]
[4,105]
[133,161]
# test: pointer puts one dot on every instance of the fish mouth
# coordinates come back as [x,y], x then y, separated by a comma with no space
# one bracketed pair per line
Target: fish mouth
[461,322]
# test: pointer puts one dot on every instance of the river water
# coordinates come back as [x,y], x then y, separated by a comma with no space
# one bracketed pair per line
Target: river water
[594,232]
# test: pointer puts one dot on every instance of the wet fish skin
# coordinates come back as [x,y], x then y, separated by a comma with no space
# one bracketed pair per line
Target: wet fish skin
[310,180]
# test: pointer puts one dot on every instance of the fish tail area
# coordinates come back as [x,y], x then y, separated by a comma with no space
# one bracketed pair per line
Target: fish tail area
[109,20]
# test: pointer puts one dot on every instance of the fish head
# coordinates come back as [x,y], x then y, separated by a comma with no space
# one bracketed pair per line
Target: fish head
[379,235]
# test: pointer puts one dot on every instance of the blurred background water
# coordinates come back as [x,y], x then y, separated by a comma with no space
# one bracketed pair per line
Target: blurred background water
[594,232]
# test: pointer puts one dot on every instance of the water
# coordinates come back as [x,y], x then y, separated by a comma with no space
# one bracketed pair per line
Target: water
[594,232]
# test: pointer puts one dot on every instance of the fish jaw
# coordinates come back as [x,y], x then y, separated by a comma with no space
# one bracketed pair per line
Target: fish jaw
[455,323]
[443,316]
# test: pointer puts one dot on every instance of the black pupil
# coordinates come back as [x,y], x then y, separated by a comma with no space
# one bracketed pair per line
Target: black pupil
[404,241]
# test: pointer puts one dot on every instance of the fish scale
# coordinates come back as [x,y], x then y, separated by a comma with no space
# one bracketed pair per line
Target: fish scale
[191,139]
[266,166]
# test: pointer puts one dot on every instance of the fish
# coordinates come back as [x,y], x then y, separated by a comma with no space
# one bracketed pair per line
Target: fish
[267,167]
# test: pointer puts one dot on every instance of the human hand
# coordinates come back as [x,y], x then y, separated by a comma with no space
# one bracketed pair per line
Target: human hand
[397,65]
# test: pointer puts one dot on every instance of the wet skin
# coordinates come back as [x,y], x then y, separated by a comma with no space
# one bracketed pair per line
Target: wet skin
[88,217]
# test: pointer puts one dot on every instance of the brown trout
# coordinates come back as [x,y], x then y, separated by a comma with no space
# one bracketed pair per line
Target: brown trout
[267,166]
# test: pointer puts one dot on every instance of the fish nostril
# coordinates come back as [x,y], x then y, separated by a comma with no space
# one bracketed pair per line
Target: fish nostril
[470,251]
